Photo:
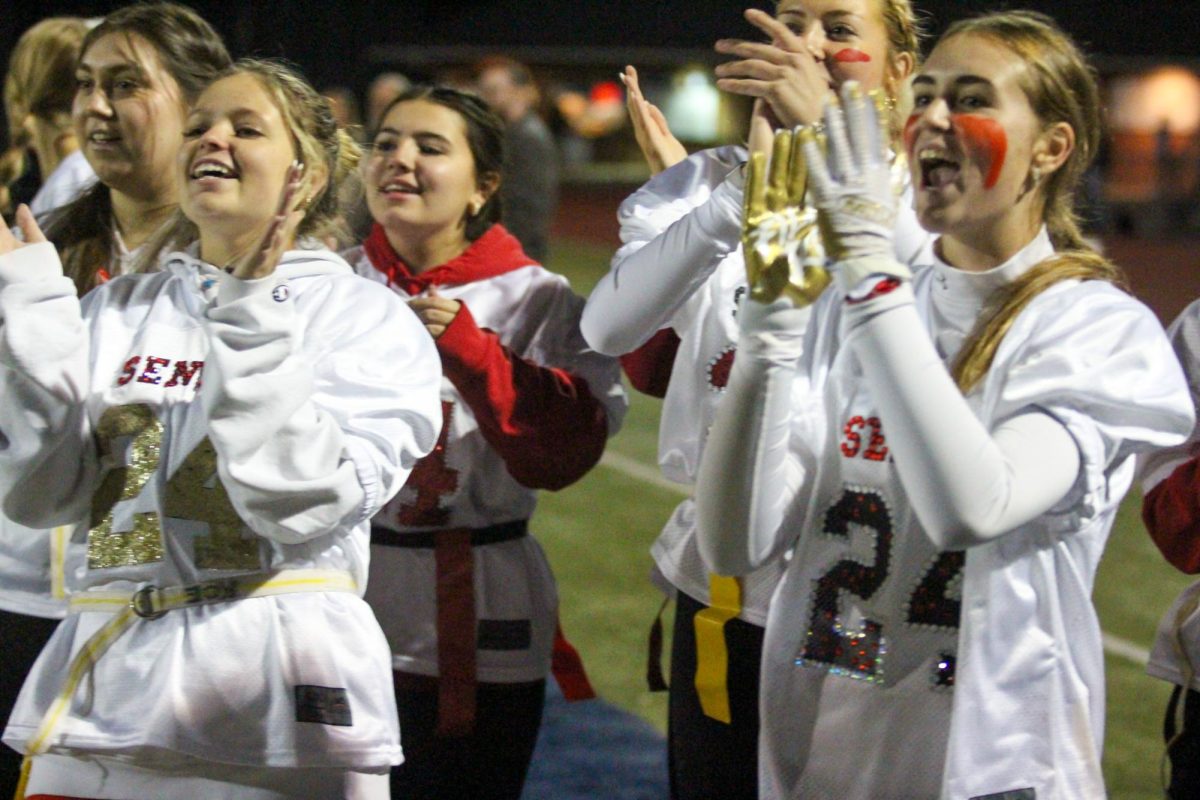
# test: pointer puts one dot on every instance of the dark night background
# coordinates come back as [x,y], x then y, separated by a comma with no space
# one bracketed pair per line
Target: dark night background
[580,43]
[340,42]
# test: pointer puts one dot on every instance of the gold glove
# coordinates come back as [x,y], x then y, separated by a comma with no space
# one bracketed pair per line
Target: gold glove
[783,254]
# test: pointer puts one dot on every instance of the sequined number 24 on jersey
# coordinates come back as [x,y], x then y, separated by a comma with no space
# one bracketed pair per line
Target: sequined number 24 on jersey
[857,653]
[193,493]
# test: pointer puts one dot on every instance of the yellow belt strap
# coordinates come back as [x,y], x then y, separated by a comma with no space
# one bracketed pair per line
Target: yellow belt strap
[58,554]
[152,602]
[712,654]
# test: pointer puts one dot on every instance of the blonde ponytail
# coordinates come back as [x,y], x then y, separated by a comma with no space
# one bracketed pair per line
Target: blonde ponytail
[977,355]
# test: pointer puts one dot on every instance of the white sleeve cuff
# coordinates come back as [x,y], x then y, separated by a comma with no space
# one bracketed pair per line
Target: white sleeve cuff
[722,219]
[34,262]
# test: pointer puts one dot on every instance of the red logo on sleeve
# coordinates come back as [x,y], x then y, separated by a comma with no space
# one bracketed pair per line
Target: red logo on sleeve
[719,369]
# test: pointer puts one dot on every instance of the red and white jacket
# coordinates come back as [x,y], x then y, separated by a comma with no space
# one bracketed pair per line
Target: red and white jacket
[527,406]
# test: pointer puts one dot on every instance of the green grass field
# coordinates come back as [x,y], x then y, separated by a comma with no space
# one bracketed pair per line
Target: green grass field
[598,534]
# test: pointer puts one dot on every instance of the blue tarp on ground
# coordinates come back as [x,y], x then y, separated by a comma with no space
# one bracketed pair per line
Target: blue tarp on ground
[594,751]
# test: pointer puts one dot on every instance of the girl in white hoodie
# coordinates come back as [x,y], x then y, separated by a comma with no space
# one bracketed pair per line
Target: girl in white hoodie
[228,427]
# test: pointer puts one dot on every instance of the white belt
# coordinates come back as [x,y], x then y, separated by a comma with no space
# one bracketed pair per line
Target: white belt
[152,602]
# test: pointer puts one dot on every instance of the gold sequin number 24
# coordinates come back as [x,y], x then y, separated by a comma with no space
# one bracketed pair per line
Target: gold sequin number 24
[193,493]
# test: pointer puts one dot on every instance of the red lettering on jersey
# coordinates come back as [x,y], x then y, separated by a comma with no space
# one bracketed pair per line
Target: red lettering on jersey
[876,448]
[876,444]
[184,370]
[984,139]
[150,370]
[853,442]
[910,136]
[851,56]
[129,370]
[432,480]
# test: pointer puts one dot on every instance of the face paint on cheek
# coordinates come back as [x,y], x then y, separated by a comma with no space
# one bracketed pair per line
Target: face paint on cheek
[851,56]
[910,135]
[984,138]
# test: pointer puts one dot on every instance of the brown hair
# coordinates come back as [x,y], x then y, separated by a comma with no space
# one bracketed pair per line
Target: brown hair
[485,138]
[40,84]
[316,138]
[1061,88]
[192,53]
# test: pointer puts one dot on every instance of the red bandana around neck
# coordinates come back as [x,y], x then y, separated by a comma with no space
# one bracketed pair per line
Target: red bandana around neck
[494,253]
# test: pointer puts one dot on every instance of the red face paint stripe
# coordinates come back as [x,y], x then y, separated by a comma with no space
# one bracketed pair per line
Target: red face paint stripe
[985,137]
[910,135]
[851,56]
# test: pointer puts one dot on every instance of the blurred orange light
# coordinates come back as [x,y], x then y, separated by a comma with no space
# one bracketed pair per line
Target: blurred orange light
[1168,95]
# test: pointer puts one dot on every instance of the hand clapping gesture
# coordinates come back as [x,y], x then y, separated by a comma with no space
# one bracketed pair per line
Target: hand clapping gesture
[851,187]
[774,226]
[279,234]
[29,229]
[784,73]
[659,146]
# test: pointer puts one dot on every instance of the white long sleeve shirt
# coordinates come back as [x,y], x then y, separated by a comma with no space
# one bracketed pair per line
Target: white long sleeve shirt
[681,267]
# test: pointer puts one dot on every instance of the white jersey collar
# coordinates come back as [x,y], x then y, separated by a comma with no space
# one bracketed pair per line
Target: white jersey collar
[958,296]
[958,286]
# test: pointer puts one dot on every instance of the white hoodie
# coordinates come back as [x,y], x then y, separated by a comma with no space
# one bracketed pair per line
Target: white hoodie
[317,393]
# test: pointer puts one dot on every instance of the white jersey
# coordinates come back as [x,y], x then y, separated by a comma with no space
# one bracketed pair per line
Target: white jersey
[467,483]
[1176,653]
[956,675]
[208,428]
[705,320]
[70,178]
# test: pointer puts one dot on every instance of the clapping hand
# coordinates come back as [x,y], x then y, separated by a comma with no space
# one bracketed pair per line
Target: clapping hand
[851,187]
[783,72]
[29,229]
[658,144]
[280,231]
[774,227]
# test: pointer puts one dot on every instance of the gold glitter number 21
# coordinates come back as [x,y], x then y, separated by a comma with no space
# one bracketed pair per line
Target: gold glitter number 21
[193,493]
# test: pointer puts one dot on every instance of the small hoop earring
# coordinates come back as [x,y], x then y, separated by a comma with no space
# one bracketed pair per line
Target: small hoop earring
[1036,174]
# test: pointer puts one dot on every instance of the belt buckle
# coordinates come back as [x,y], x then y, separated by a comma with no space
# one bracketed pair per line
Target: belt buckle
[142,603]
